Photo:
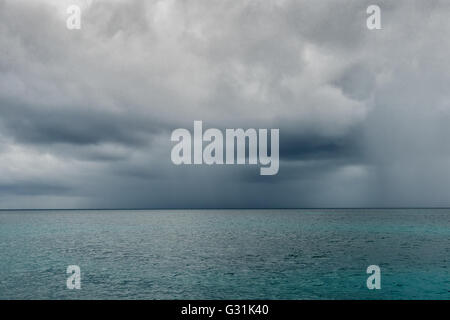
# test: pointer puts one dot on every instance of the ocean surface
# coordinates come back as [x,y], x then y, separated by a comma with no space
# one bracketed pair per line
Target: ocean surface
[226,254]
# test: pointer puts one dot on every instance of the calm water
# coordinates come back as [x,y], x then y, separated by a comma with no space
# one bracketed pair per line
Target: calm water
[225,254]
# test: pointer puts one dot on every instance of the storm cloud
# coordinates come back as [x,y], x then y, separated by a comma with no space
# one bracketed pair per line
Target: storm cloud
[86,115]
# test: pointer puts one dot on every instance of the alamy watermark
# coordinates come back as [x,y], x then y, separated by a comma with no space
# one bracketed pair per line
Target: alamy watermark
[251,145]
[73,21]
[74,280]
[373,22]
[374,280]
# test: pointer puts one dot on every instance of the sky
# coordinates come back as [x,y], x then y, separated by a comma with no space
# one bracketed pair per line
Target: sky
[86,115]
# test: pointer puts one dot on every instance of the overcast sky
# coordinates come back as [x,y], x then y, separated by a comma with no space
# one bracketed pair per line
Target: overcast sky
[86,115]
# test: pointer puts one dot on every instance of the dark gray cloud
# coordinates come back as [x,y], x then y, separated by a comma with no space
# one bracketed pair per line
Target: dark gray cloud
[86,116]
[76,125]
[296,146]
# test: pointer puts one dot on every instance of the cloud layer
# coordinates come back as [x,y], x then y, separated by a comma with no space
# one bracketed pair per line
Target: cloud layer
[86,115]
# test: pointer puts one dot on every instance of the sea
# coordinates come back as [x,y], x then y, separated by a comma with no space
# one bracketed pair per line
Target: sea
[287,254]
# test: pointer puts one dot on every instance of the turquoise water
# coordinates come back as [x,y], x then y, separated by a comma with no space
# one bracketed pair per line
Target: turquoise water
[225,254]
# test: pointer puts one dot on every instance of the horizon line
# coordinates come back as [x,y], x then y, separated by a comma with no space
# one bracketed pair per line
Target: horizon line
[213,208]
